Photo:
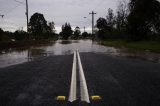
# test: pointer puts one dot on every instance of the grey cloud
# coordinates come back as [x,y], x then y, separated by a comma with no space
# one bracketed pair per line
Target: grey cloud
[59,11]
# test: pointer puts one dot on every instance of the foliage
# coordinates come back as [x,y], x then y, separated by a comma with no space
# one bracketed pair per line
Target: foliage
[38,24]
[51,27]
[77,33]
[39,28]
[3,36]
[85,35]
[101,23]
[136,20]
[66,31]
[144,18]
[106,26]
[110,18]
[20,35]
[122,14]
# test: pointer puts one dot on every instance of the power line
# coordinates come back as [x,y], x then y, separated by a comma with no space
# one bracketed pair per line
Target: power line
[99,4]
[12,9]
[19,1]
[9,11]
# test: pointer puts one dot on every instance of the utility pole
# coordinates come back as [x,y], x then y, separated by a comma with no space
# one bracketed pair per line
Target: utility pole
[93,13]
[84,26]
[27,13]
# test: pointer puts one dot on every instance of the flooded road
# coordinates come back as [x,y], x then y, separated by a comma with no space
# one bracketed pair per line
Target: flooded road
[12,57]
[116,75]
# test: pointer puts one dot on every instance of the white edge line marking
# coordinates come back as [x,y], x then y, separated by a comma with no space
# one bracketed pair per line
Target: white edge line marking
[83,84]
[72,93]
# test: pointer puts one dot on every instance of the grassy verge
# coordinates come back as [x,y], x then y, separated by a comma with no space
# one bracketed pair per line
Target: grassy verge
[152,46]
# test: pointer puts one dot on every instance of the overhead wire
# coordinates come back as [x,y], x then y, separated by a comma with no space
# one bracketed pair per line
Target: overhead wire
[19,2]
[99,4]
[12,9]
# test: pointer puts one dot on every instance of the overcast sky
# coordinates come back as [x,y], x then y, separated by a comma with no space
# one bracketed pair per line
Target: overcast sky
[58,11]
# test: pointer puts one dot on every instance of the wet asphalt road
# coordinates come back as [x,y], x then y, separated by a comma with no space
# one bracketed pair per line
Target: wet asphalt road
[119,81]
[35,83]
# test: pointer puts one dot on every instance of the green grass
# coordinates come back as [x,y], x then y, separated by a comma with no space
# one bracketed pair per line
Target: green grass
[152,46]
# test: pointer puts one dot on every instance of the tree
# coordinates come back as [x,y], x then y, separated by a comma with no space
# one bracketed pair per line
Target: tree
[20,35]
[66,31]
[110,18]
[85,35]
[122,14]
[101,23]
[38,25]
[3,36]
[77,33]
[1,31]
[144,18]
[103,27]
[51,27]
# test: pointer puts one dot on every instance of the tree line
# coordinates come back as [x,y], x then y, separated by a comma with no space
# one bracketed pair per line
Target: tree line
[39,28]
[136,20]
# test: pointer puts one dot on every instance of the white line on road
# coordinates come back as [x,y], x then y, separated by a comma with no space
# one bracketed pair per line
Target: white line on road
[73,94]
[83,84]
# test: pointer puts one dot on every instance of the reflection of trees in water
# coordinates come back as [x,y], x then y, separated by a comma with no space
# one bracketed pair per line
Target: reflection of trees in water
[65,42]
[27,47]
[67,52]
[32,53]
[68,41]
[75,41]
[10,50]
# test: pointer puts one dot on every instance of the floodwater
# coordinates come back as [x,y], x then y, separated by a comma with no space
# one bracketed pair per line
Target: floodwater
[61,47]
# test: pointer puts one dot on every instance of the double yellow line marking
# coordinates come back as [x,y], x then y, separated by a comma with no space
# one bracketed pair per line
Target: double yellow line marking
[83,85]
[84,96]
[73,87]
